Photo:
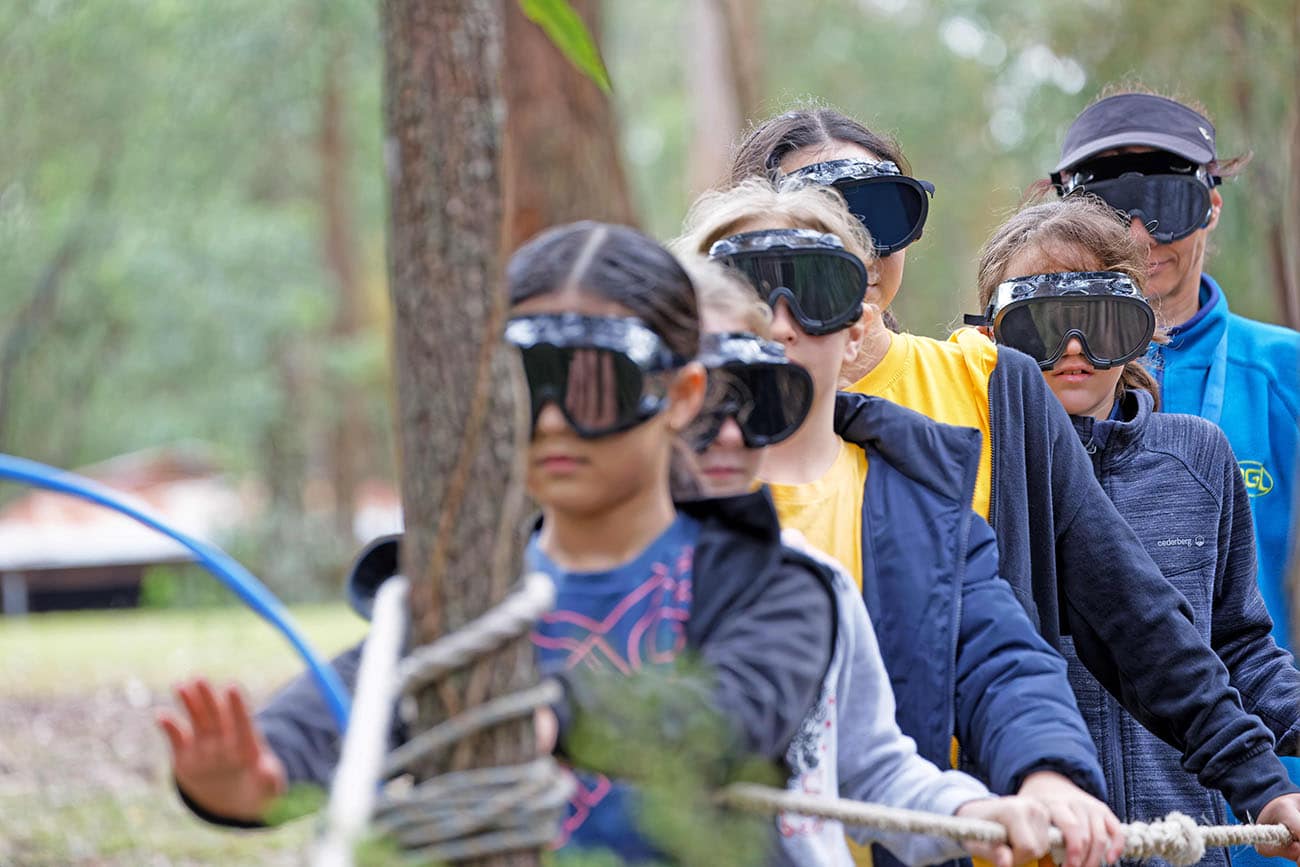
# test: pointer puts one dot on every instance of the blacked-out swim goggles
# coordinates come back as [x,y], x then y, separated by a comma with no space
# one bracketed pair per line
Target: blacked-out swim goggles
[891,205]
[1170,195]
[1039,314]
[601,372]
[823,283]
[752,381]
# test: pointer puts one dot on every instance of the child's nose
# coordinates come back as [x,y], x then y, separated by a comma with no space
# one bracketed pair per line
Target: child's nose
[1074,346]
[784,328]
[730,435]
[550,420]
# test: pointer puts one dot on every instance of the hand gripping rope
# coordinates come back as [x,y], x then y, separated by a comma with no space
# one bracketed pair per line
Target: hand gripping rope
[516,807]
[249,590]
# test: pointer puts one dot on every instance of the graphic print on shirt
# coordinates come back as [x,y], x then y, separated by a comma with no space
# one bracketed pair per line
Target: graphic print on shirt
[807,757]
[625,620]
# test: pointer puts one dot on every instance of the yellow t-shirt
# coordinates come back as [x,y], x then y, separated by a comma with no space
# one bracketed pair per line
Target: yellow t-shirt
[828,511]
[946,380]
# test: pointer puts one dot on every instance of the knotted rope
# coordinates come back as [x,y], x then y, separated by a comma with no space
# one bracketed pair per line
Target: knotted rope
[455,815]
[484,811]
[1177,839]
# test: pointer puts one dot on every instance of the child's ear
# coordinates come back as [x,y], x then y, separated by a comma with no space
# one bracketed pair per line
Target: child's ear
[857,332]
[686,394]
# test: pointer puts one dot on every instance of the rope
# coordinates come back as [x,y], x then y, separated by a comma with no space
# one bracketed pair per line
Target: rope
[1177,838]
[352,794]
[456,815]
[487,811]
[510,619]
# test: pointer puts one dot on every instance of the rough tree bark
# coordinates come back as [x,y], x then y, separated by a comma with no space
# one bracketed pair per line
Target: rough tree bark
[456,407]
[560,160]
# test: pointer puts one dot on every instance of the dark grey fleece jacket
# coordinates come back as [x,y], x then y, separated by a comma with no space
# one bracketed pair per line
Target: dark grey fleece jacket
[1175,480]
[1080,570]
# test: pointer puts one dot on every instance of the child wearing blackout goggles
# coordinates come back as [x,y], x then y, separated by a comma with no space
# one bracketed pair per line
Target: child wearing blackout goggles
[819,145]
[606,324]
[862,477]
[850,742]
[1062,282]
[1090,581]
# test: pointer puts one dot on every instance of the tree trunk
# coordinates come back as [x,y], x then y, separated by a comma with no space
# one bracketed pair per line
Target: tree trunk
[560,159]
[456,388]
[347,433]
[722,67]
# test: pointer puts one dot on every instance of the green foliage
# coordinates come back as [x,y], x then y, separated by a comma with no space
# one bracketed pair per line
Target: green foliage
[301,799]
[979,94]
[181,586]
[567,30]
[657,729]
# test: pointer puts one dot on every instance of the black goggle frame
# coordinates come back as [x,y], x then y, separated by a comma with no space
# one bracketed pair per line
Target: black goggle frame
[760,254]
[1046,291]
[743,368]
[623,347]
[862,181]
[1170,195]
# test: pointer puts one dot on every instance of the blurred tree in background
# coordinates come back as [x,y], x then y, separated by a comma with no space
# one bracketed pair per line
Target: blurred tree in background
[192,196]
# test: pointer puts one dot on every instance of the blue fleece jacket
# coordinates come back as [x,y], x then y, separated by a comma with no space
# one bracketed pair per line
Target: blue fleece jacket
[1081,572]
[1174,479]
[962,655]
[1244,376]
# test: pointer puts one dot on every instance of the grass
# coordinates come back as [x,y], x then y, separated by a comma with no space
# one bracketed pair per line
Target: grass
[84,778]
[56,653]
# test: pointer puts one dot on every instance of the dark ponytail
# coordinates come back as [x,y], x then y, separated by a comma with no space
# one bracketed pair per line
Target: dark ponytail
[618,264]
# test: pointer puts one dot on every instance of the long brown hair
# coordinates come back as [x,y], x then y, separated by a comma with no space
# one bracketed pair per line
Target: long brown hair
[767,143]
[1076,233]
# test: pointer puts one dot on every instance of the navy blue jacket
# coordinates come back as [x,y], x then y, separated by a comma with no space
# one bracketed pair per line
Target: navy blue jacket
[1174,478]
[1079,570]
[962,656]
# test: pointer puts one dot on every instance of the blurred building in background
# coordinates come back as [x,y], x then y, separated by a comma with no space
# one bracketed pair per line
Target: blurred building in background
[58,552]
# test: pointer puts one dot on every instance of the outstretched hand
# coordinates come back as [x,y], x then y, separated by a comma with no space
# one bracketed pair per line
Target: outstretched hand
[219,758]
[1028,827]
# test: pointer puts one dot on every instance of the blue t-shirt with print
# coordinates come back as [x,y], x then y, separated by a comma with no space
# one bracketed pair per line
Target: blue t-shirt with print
[625,619]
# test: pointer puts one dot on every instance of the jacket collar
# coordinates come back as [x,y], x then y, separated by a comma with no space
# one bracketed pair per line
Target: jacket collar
[941,457]
[1205,326]
[1115,436]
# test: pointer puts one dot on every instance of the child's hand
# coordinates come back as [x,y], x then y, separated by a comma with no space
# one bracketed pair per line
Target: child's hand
[1092,833]
[1027,824]
[219,758]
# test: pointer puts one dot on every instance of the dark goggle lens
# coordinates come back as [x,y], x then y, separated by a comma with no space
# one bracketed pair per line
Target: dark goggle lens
[1112,330]
[825,291]
[769,402]
[599,391]
[893,210]
[1170,206]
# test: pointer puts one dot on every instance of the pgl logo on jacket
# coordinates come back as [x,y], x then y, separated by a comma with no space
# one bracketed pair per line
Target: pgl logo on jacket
[1258,481]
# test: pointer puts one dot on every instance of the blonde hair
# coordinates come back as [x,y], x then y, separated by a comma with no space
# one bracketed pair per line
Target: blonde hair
[719,213]
[1076,233]
[725,292]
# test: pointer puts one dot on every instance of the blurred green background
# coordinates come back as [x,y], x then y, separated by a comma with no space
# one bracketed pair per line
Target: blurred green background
[179,180]
[192,216]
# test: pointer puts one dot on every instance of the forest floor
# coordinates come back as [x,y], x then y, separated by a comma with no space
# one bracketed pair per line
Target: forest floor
[83,770]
